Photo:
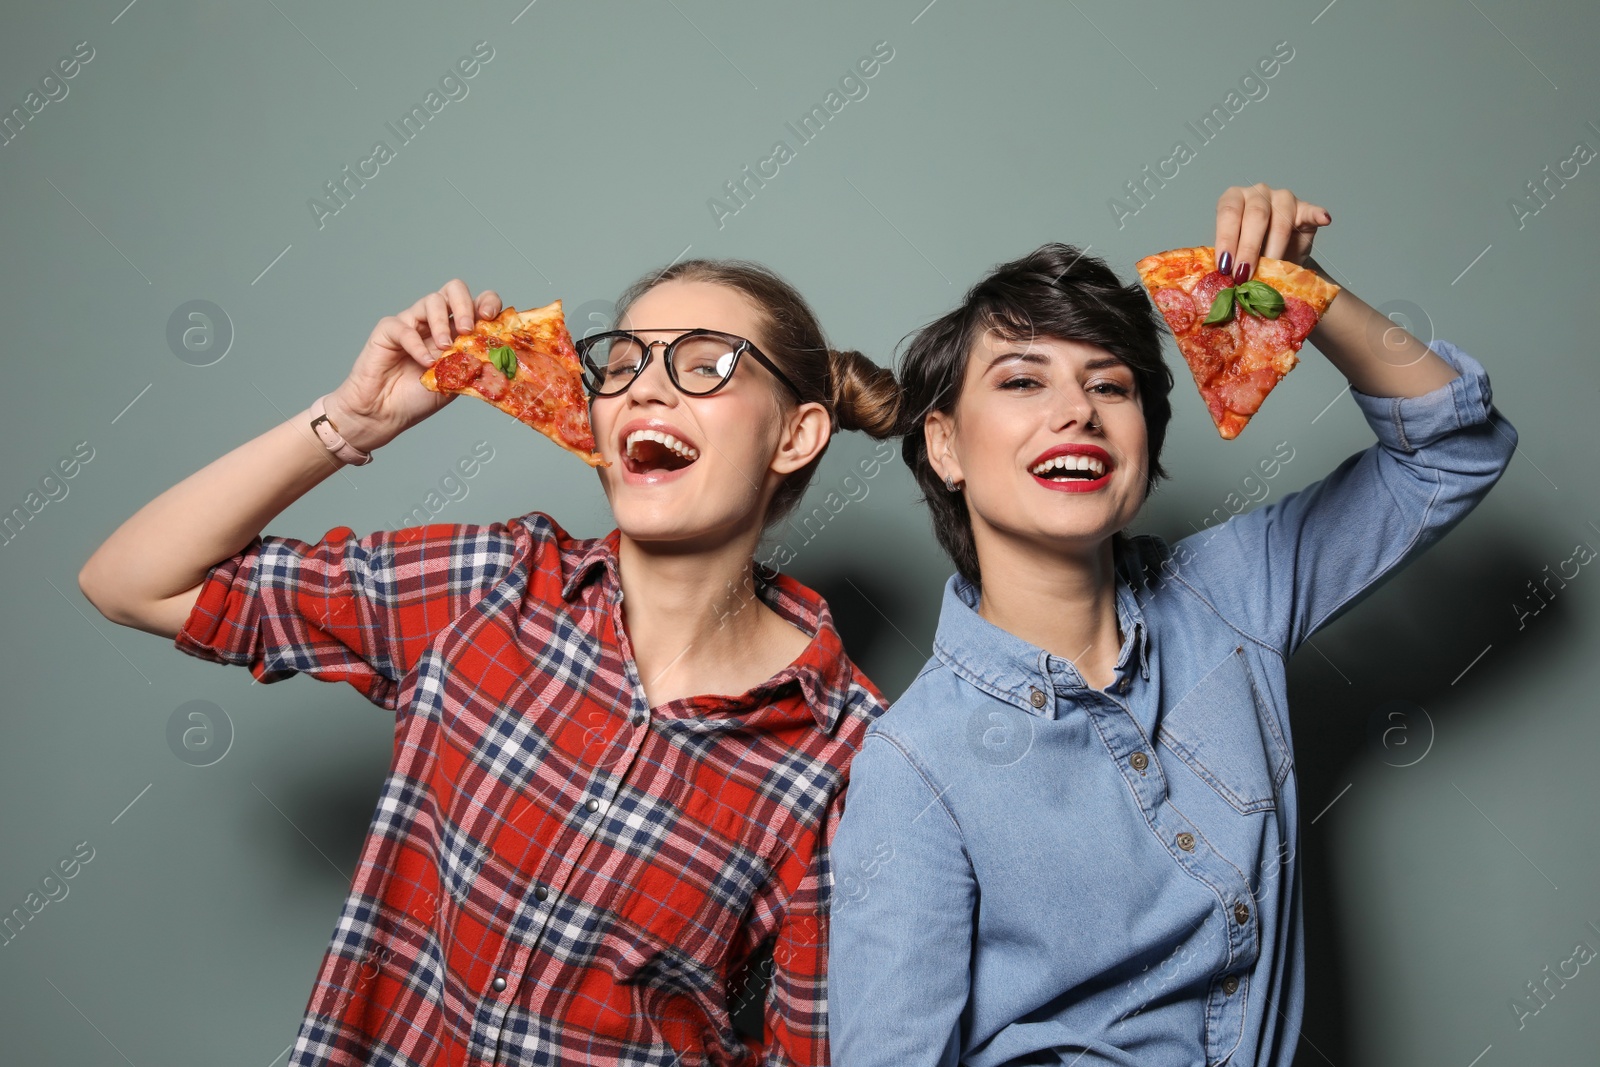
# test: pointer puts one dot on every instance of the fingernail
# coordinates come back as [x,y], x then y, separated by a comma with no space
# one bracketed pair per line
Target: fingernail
[1225,261]
[1327,217]
[1241,274]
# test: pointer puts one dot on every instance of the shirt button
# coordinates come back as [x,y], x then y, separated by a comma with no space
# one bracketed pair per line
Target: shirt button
[1139,761]
[1241,913]
[1122,686]
[1186,841]
[638,720]
[499,984]
[1036,697]
[541,893]
[593,805]
[1230,985]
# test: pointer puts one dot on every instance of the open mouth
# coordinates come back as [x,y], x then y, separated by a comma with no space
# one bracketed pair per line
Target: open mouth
[1070,468]
[648,451]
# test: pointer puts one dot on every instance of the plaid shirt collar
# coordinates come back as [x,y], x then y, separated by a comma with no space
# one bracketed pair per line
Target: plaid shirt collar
[820,670]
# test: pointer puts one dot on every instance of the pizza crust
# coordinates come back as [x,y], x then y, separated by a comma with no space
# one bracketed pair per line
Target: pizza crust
[1291,279]
[1179,268]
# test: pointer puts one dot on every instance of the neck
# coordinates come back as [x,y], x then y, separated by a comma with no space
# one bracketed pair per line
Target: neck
[1064,601]
[689,609]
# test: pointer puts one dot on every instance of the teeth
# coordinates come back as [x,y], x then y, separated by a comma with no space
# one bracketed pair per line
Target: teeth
[681,448]
[1071,462]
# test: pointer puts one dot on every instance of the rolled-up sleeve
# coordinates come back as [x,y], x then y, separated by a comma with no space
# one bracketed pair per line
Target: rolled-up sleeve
[1288,568]
[347,608]
[901,918]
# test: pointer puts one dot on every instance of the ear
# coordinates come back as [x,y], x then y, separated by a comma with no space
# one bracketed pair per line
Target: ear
[939,433]
[805,435]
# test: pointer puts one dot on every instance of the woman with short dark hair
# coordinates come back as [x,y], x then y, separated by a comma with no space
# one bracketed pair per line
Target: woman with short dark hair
[1072,839]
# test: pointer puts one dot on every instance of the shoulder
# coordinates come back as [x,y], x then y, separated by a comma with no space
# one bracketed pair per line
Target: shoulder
[532,549]
[913,753]
[555,560]
[864,702]
[927,722]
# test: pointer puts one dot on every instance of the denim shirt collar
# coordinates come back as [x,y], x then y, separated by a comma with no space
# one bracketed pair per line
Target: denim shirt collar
[1007,667]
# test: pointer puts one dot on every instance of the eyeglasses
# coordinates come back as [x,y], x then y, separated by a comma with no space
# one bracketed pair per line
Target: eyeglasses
[699,362]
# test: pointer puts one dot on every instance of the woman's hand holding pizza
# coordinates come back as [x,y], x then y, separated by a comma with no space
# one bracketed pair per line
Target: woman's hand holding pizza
[1258,221]
[383,394]
[1374,354]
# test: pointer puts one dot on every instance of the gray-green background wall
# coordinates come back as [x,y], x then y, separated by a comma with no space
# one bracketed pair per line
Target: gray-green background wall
[1446,735]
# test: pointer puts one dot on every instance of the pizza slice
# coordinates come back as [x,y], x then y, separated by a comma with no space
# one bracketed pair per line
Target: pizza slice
[1239,340]
[523,363]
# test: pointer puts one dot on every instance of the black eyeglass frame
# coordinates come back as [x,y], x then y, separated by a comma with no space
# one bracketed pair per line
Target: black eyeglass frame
[741,346]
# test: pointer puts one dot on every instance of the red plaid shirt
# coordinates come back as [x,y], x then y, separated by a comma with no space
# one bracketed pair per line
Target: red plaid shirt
[556,873]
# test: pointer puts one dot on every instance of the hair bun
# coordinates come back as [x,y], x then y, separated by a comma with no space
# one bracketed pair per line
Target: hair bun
[865,396]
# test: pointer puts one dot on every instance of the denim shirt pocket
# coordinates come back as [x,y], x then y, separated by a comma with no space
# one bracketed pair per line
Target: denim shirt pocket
[1221,730]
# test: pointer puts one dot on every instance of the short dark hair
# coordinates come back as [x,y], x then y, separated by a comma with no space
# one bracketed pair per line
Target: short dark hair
[1056,291]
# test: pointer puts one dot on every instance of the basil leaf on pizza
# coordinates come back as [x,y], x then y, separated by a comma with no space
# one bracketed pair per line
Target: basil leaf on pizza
[1221,307]
[1259,298]
[506,359]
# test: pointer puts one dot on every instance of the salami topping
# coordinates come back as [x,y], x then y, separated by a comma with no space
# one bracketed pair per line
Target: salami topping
[1264,336]
[575,428]
[1206,290]
[491,382]
[1300,317]
[454,371]
[530,400]
[1178,309]
[1209,350]
[1245,393]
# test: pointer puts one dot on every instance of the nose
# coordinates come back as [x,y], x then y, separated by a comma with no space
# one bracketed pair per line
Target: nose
[652,382]
[1073,404]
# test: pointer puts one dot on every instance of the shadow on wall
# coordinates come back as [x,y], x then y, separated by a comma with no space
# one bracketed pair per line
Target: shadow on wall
[870,614]
[332,810]
[1355,700]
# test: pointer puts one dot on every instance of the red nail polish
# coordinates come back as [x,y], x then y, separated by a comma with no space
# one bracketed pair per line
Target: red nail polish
[1224,261]
[1241,274]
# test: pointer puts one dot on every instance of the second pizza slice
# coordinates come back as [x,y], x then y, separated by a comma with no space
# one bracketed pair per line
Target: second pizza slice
[1238,340]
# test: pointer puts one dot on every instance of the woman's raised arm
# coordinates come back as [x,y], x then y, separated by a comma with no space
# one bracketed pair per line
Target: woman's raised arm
[148,573]
[1290,567]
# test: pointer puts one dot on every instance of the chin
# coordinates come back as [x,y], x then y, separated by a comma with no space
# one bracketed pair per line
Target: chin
[1080,530]
[679,525]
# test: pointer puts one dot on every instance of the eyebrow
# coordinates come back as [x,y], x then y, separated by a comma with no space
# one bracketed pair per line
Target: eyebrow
[1098,363]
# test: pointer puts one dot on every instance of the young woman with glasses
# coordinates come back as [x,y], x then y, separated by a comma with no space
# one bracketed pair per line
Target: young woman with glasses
[1073,840]
[618,761]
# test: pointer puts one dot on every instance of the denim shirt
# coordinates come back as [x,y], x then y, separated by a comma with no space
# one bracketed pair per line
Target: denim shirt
[1032,870]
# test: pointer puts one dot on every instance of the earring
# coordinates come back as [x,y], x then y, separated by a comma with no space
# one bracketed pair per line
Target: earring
[950,484]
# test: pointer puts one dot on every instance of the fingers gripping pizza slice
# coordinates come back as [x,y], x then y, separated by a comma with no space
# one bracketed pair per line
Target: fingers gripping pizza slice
[1238,340]
[523,363]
